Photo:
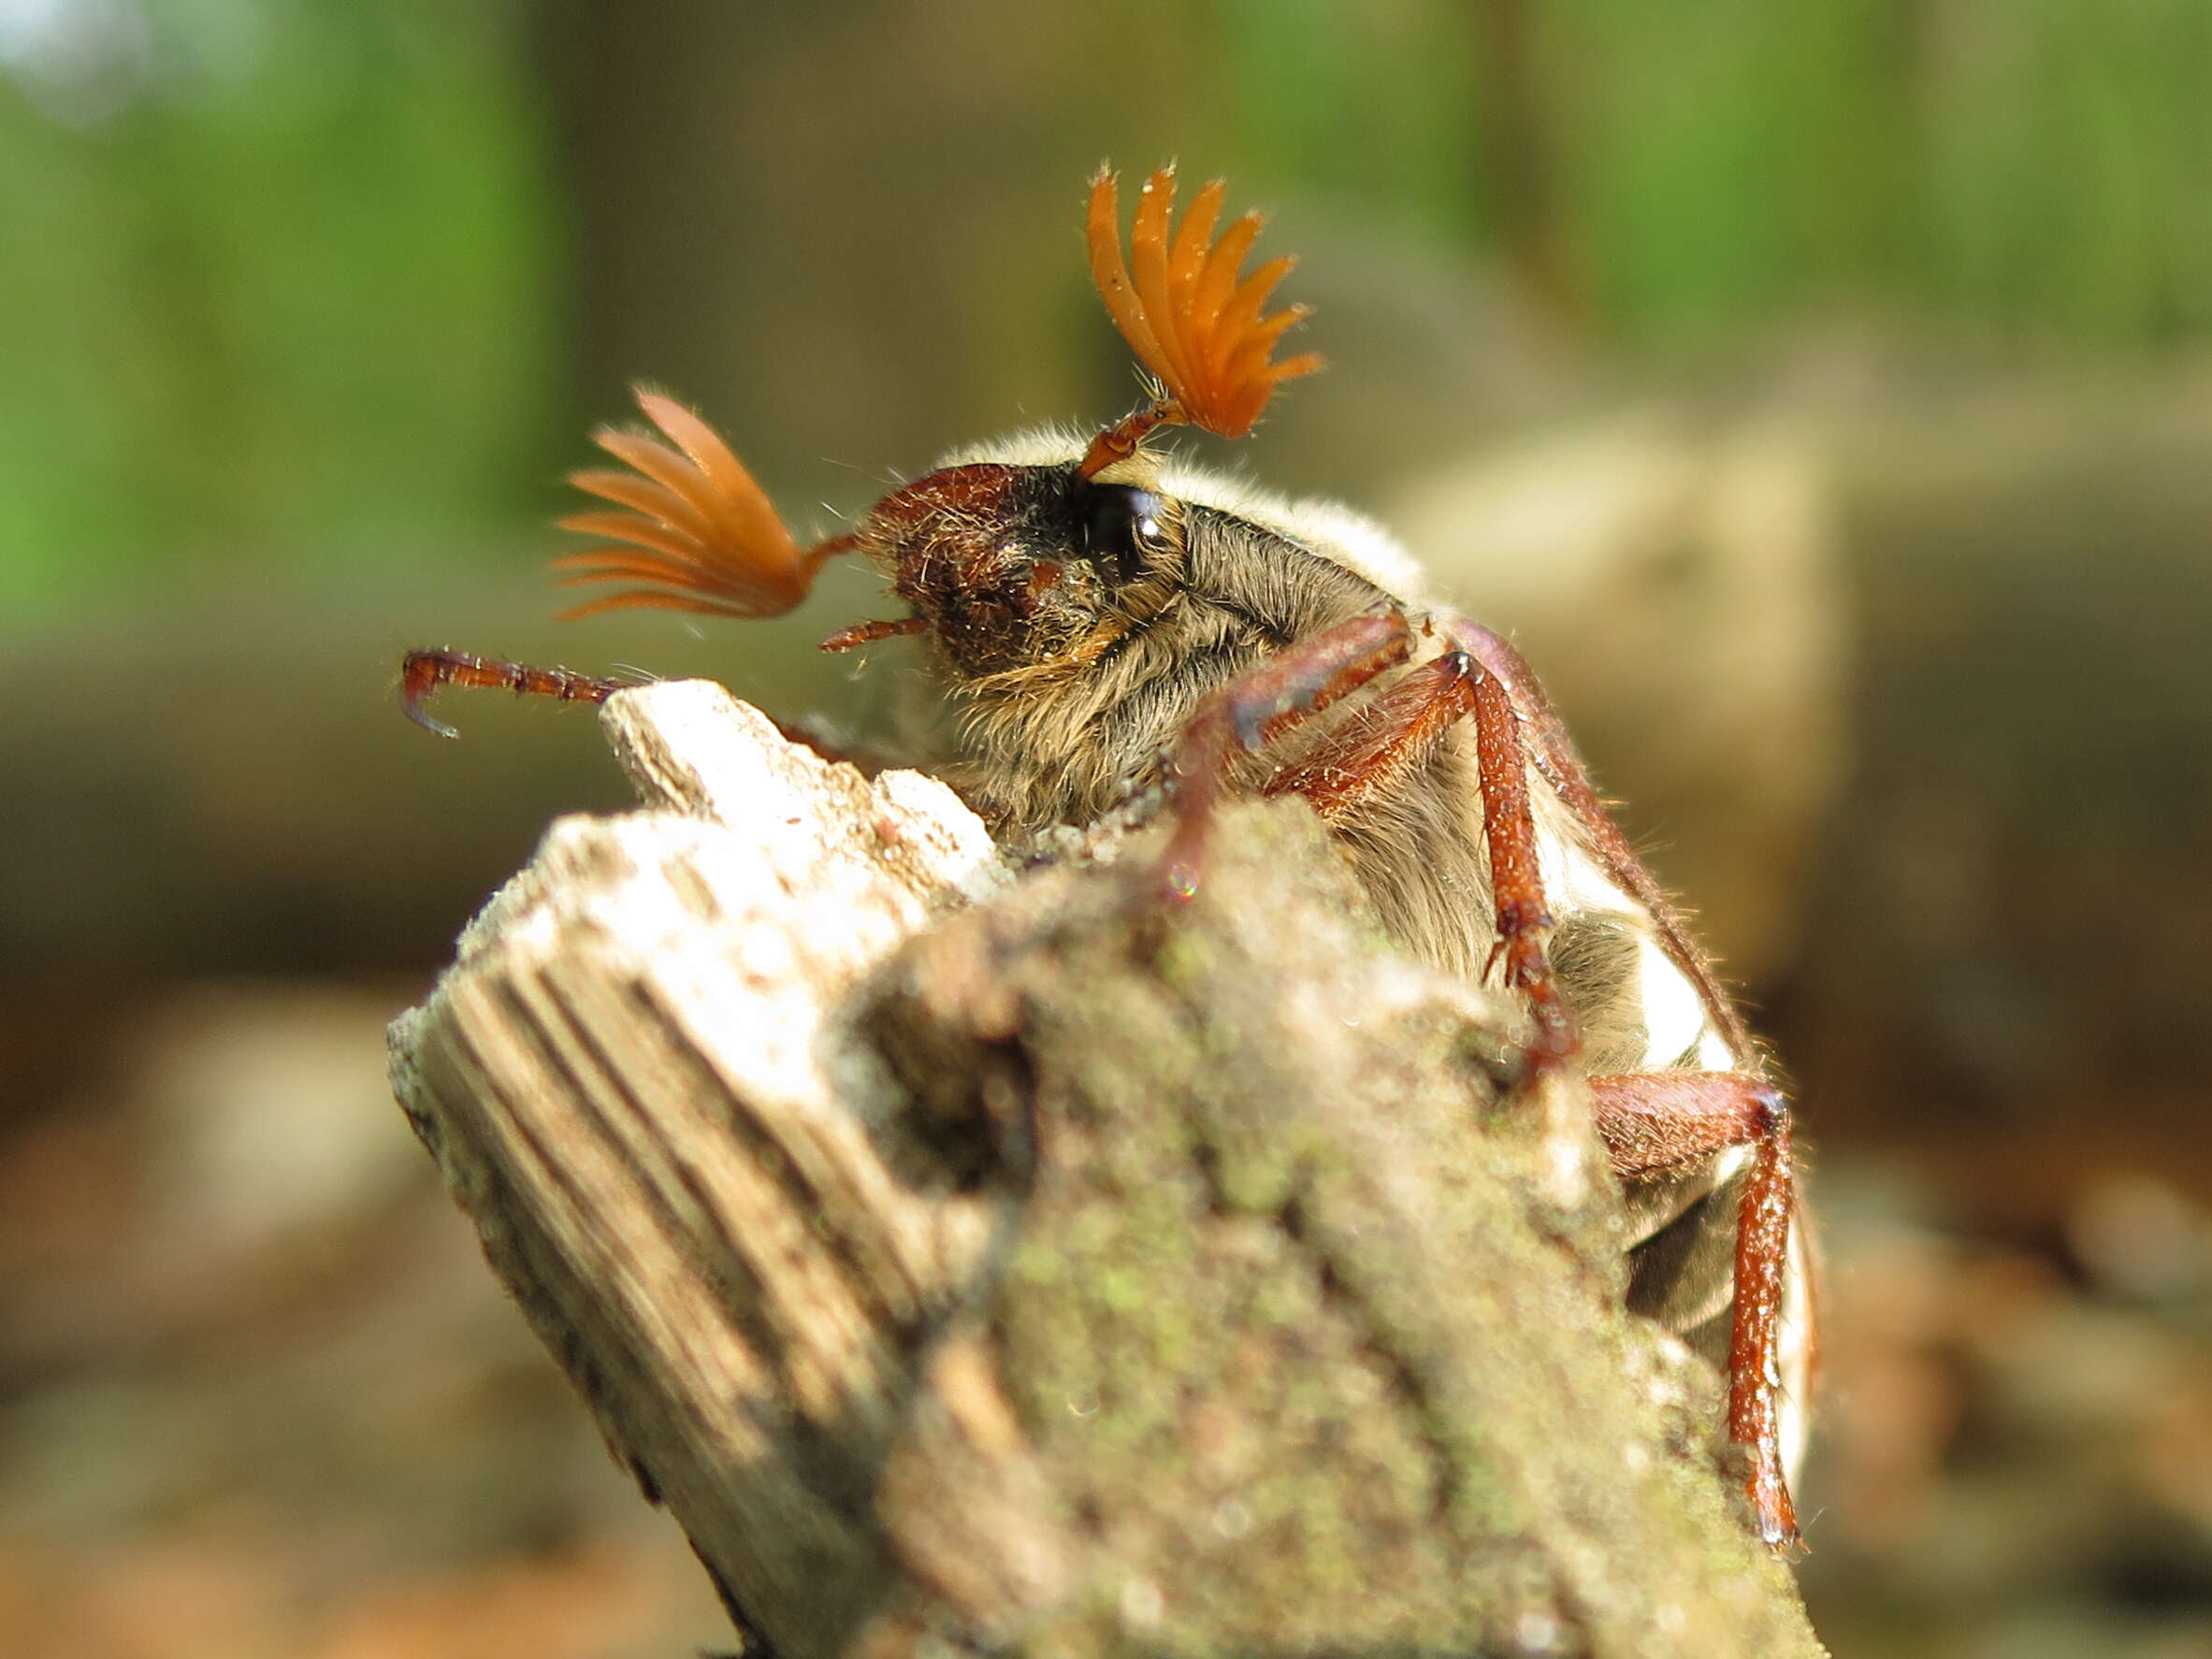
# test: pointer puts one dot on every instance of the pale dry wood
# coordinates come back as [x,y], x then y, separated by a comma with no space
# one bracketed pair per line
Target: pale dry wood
[634,1083]
[984,1265]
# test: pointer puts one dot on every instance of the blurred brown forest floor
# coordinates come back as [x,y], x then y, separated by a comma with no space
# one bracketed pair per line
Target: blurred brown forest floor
[1893,637]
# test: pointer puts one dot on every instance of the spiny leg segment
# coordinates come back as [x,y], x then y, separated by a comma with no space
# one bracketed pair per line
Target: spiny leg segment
[1562,766]
[1394,734]
[1653,1121]
[1260,704]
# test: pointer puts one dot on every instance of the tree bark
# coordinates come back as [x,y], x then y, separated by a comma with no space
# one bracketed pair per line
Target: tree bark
[975,1260]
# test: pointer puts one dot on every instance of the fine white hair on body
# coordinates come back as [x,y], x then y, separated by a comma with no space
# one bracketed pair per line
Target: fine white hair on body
[1327,528]
[1055,444]
[1336,532]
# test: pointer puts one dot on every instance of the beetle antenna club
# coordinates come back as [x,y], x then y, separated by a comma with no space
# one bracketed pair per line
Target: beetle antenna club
[1191,319]
[690,529]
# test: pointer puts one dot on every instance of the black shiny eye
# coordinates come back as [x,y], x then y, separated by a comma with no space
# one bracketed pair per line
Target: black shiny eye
[1123,527]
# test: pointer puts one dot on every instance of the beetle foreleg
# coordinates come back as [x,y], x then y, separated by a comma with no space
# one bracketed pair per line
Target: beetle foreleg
[1294,684]
[1380,743]
[1384,742]
[422,672]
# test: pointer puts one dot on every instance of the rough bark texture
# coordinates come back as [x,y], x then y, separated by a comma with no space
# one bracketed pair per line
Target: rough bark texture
[989,1262]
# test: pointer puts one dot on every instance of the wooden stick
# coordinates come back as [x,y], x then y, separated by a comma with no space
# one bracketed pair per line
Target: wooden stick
[998,1264]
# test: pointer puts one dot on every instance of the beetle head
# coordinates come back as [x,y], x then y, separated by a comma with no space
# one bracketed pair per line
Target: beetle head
[1019,567]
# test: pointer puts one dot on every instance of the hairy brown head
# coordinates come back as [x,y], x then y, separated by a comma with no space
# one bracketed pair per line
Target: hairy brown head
[1023,567]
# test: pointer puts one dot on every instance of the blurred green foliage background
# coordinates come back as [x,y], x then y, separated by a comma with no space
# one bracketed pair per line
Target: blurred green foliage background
[291,285]
[281,289]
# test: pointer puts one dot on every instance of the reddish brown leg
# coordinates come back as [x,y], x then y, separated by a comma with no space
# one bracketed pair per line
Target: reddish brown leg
[1385,741]
[1263,702]
[1563,768]
[1398,732]
[1516,882]
[1382,743]
[422,672]
[1657,1121]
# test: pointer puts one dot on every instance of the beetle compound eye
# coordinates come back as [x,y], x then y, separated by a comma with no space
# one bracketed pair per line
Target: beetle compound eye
[1123,528]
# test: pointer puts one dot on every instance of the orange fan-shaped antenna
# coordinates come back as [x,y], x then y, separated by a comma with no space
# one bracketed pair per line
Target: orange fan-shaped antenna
[1185,311]
[697,534]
